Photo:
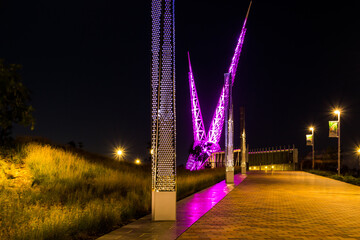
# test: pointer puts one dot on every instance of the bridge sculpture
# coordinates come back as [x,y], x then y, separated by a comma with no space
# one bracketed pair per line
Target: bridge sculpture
[205,144]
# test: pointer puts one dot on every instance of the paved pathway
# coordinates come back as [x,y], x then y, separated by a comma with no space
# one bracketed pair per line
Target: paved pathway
[188,211]
[283,205]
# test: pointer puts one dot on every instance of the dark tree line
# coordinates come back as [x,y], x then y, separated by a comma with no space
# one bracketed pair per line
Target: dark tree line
[15,99]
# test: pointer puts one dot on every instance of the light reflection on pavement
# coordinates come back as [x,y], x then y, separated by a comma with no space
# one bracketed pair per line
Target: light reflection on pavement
[188,211]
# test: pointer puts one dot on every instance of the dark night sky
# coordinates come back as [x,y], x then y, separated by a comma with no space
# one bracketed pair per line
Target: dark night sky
[87,64]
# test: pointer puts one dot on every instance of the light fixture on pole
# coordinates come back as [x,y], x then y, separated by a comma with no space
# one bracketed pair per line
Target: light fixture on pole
[358,154]
[338,135]
[313,147]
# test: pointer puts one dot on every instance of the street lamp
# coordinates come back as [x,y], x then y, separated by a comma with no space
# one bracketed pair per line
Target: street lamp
[137,161]
[313,147]
[119,152]
[358,154]
[337,111]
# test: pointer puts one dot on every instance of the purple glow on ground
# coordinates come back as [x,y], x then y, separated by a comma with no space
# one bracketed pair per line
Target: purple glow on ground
[190,209]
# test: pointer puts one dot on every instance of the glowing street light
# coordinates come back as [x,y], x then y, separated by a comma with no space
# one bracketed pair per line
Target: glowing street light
[357,151]
[119,153]
[313,147]
[337,111]
[137,161]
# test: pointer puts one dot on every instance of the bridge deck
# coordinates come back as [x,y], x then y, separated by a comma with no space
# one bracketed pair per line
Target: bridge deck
[283,205]
[279,205]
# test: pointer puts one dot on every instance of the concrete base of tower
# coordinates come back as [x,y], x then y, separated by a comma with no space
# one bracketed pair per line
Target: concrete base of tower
[229,175]
[243,167]
[163,206]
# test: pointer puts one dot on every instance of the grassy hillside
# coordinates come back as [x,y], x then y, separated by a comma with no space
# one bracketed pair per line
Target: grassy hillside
[344,178]
[51,193]
[64,196]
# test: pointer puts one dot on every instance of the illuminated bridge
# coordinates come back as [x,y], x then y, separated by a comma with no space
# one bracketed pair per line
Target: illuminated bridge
[207,143]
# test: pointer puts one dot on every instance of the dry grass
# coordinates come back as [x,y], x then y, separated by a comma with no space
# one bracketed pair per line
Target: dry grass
[57,194]
[68,197]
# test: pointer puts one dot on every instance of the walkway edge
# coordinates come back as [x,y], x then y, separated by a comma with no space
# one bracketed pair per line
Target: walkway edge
[188,211]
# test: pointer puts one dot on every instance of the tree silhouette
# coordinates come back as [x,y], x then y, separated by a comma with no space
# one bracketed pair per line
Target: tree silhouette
[14,101]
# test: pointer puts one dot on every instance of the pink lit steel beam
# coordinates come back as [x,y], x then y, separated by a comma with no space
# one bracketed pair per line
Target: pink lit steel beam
[236,57]
[204,146]
[197,120]
[218,119]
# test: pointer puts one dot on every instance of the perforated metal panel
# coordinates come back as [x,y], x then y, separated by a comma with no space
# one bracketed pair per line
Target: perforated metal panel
[163,140]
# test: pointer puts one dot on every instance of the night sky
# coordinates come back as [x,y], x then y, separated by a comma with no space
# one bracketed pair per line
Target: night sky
[87,64]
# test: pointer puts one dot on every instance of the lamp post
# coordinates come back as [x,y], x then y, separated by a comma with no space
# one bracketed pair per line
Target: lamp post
[338,113]
[358,154]
[313,147]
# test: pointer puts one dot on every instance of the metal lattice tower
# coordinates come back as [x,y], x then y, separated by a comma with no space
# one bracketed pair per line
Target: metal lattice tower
[163,136]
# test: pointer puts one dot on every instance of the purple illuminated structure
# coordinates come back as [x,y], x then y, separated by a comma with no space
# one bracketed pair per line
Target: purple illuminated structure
[204,144]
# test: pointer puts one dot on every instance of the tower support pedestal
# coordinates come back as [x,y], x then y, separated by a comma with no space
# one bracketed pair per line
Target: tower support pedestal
[229,175]
[163,206]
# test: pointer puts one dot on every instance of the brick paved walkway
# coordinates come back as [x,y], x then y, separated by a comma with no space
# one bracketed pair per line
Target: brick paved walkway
[283,205]
[188,211]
